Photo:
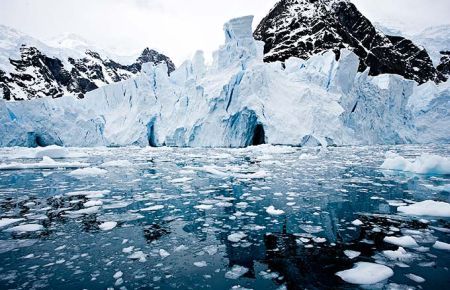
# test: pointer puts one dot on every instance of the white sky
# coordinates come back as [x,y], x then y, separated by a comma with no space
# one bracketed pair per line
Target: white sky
[179,27]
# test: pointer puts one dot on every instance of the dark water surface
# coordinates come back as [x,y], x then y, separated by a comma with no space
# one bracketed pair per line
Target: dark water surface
[197,219]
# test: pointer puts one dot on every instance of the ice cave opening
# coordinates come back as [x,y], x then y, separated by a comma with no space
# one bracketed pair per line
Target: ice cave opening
[41,140]
[151,134]
[259,135]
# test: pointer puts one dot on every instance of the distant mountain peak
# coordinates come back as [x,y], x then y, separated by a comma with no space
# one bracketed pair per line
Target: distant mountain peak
[30,69]
[302,28]
[151,55]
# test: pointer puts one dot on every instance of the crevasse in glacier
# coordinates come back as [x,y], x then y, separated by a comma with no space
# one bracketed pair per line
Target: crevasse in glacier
[238,101]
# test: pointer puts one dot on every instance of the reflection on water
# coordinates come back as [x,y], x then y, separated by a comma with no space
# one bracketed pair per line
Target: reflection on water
[196,219]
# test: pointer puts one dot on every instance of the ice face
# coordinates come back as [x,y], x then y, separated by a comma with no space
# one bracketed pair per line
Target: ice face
[238,101]
[239,29]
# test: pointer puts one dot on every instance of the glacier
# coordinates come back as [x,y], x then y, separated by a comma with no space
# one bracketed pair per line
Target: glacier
[239,101]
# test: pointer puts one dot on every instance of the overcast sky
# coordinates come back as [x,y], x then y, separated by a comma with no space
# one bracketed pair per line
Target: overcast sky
[179,27]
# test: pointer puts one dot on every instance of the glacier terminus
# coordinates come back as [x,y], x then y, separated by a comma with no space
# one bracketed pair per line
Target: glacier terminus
[239,101]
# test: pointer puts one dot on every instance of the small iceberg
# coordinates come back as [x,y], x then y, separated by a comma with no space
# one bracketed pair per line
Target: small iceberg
[91,171]
[366,274]
[425,164]
[46,163]
[427,208]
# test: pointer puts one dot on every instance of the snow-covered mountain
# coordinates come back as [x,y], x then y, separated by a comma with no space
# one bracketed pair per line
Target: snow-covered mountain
[444,66]
[238,101]
[435,39]
[31,69]
[302,28]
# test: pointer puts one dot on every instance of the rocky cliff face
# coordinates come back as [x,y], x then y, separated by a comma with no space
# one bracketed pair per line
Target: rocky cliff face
[444,66]
[302,28]
[41,71]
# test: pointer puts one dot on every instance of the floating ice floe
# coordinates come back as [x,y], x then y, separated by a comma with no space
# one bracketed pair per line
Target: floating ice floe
[139,255]
[352,254]
[153,208]
[53,151]
[117,163]
[415,278]
[275,212]
[236,237]
[91,171]
[427,208]
[8,221]
[400,255]
[118,275]
[107,226]
[306,156]
[204,206]
[441,246]
[181,180]
[11,245]
[424,164]
[200,264]
[211,250]
[25,228]
[46,163]
[181,248]
[366,273]
[405,241]
[357,222]
[445,187]
[236,272]
[226,172]
[89,194]
[163,253]
[84,211]
[93,203]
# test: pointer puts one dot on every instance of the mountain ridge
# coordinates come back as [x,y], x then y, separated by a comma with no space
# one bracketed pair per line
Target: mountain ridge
[302,28]
[32,69]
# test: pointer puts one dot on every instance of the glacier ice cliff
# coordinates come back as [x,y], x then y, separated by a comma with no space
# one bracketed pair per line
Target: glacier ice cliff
[239,101]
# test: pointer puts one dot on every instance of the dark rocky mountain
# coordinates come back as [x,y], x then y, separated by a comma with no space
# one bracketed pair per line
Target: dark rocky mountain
[36,75]
[444,66]
[302,28]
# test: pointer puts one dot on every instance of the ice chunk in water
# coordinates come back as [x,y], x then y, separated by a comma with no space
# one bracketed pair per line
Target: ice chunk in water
[139,255]
[400,255]
[415,278]
[236,237]
[163,253]
[153,208]
[46,163]
[352,254]
[236,272]
[366,273]
[107,226]
[357,222]
[272,211]
[118,275]
[26,228]
[425,164]
[405,241]
[441,246]
[91,171]
[8,221]
[85,211]
[52,151]
[427,208]
[117,163]
[200,264]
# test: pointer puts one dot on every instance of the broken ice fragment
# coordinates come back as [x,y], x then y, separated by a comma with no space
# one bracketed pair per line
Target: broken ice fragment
[366,273]
[275,212]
